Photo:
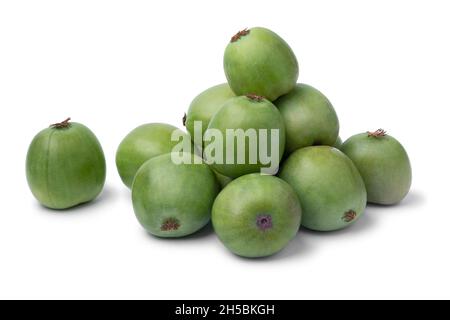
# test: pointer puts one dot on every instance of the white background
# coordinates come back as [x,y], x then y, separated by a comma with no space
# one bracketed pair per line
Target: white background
[113,65]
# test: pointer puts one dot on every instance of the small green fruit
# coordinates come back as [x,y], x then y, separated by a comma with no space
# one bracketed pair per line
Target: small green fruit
[383,163]
[65,165]
[206,105]
[173,200]
[309,117]
[244,113]
[256,215]
[143,143]
[258,61]
[328,185]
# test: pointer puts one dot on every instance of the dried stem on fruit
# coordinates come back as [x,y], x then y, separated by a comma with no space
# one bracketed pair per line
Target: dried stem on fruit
[240,34]
[62,124]
[255,97]
[349,216]
[376,134]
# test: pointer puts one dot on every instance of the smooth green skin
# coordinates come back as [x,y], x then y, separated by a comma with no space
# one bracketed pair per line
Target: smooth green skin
[261,63]
[65,167]
[141,144]
[309,117]
[205,106]
[238,206]
[338,143]
[384,166]
[223,180]
[245,113]
[327,184]
[163,190]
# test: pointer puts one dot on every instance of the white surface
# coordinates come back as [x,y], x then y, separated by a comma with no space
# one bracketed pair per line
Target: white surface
[113,65]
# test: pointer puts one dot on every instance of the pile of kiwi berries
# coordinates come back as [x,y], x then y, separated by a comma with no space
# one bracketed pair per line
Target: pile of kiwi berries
[319,183]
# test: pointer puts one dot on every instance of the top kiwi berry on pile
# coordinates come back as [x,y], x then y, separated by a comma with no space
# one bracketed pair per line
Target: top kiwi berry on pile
[260,62]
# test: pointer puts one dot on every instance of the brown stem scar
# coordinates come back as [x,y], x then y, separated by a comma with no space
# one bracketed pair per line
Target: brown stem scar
[349,216]
[170,224]
[377,133]
[255,97]
[240,34]
[62,124]
[184,120]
